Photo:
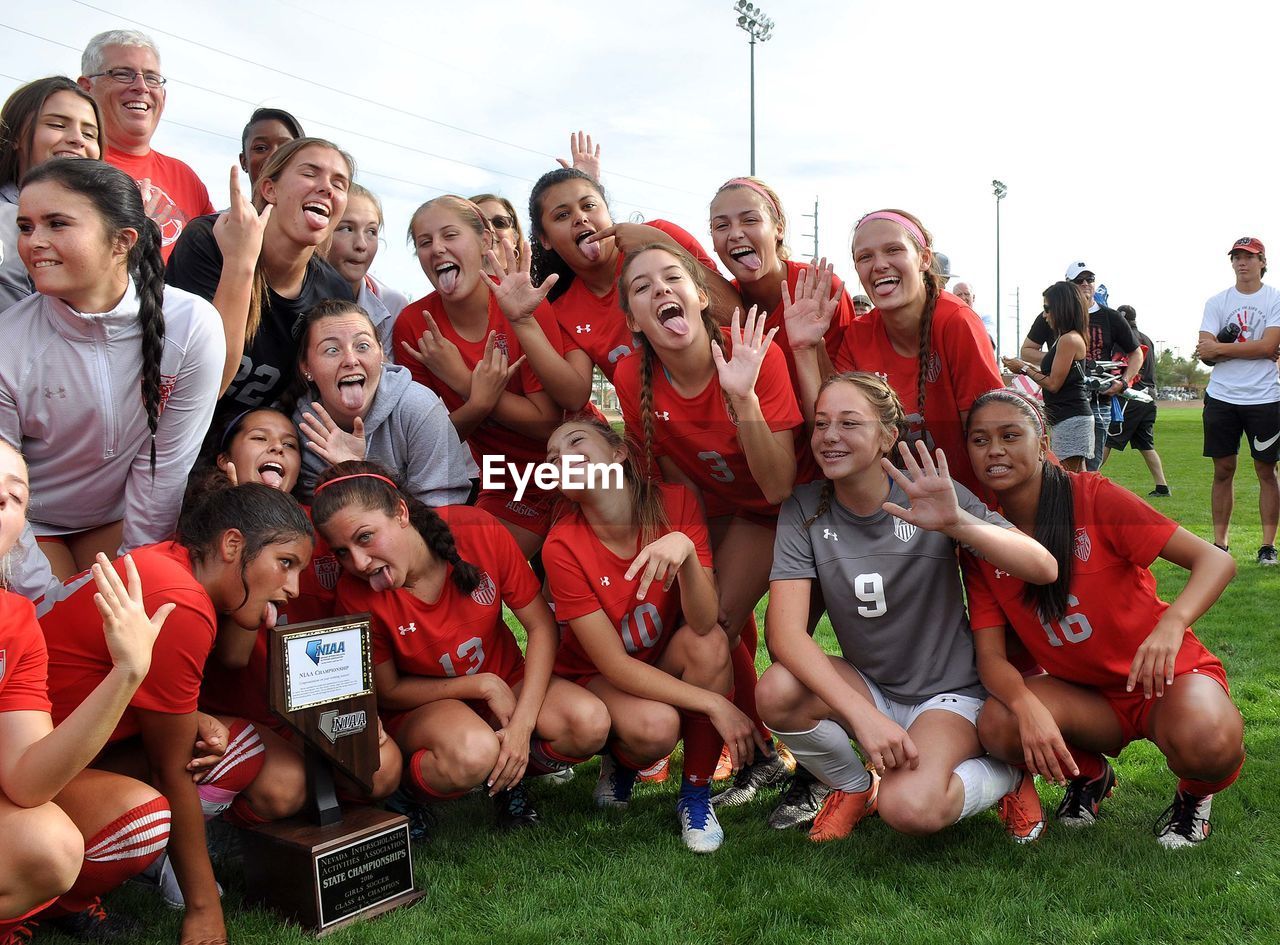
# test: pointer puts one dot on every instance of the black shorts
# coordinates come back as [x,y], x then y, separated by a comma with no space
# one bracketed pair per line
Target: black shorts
[1139,427]
[1224,423]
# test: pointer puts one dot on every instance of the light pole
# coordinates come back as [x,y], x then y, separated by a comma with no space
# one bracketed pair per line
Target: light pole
[1000,191]
[759,27]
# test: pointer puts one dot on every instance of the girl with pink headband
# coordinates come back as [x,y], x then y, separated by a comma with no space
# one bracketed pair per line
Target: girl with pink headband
[929,345]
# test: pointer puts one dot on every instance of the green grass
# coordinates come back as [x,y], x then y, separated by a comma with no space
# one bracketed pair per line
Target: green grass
[587,876]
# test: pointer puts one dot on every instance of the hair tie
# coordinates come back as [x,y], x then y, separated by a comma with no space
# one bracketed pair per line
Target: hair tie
[230,430]
[360,475]
[916,233]
[752,185]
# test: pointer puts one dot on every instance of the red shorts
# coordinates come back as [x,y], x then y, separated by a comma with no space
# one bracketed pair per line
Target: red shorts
[1133,709]
[532,512]
[717,509]
[392,722]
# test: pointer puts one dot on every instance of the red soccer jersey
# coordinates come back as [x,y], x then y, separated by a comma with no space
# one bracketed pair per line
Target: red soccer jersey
[596,324]
[460,634]
[960,371]
[171,191]
[701,439]
[1113,605]
[78,655]
[490,437]
[24,664]
[585,576]
[835,333]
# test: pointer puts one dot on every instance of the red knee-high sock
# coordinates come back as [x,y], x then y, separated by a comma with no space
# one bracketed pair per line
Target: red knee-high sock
[241,814]
[622,758]
[235,770]
[417,783]
[702,744]
[744,681]
[1090,763]
[123,848]
[543,759]
[1205,788]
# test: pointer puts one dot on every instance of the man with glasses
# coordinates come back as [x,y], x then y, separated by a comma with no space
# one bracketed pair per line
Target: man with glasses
[1109,334]
[121,70]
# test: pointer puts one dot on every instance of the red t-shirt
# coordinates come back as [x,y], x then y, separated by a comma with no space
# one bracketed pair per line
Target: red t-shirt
[960,371]
[78,655]
[460,634]
[596,324]
[585,576]
[171,191]
[835,333]
[1113,605]
[24,664]
[701,439]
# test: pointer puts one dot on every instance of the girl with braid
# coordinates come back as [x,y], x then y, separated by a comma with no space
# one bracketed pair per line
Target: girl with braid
[715,409]
[107,378]
[880,545]
[466,707]
[930,345]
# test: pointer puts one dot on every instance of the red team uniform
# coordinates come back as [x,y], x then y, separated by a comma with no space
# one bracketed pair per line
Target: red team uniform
[1117,538]
[24,663]
[460,634]
[699,436]
[960,370]
[78,655]
[585,576]
[596,324]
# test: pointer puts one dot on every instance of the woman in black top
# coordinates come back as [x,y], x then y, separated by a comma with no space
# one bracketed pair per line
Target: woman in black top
[1061,376]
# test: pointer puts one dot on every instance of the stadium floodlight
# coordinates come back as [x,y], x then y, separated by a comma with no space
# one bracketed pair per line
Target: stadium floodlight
[1001,191]
[758,27]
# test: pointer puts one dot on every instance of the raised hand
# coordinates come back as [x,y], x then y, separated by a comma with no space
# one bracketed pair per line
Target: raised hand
[240,229]
[515,294]
[328,440]
[809,314]
[440,356]
[660,560]
[490,376]
[928,486]
[738,374]
[585,154]
[129,632]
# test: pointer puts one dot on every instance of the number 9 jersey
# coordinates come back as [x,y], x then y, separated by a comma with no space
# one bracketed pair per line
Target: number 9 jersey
[459,634]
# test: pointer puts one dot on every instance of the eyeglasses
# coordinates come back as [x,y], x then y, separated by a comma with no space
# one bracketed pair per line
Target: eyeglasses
[129,76]
[502,222]
[1084,280]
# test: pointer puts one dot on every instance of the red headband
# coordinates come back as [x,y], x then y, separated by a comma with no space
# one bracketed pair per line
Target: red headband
[916,233]
[360,475]
[752,185]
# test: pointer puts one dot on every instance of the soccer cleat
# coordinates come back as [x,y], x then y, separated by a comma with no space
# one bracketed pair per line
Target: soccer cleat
[1022,812]
[1185,822]
[724,767]
[801,800]
[95,924]
[1267,556]
[699,828]
[1079,807]
[842,810]
[615,784]
[160,875]
[422,819]
[657,772]
[764,771]
[563,776]
[1226,548]
[1159,492]
[514,808]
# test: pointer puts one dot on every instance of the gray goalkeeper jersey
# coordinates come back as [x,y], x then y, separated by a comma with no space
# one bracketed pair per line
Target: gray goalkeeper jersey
[893,591]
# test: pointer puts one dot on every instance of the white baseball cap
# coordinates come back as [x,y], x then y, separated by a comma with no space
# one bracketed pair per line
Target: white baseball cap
[1074,270]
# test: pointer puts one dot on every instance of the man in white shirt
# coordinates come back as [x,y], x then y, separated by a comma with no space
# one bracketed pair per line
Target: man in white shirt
[1240,337]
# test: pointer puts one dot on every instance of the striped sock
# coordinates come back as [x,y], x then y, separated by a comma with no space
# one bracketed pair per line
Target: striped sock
[235,770]
[121,849]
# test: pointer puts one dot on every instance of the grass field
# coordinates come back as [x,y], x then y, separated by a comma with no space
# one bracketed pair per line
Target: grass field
[586,876]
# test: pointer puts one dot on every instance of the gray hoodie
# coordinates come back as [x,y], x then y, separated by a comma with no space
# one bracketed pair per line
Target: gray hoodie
[407,430]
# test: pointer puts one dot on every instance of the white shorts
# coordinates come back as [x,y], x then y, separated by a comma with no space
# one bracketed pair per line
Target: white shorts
[904,713]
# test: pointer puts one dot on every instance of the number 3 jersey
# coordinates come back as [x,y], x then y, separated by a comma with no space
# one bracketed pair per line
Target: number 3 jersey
[586,577]
[460,634]
[1113,604]
[892,590]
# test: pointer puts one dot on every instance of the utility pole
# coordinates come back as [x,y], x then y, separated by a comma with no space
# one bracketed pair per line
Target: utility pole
[1017,308]
[814,234]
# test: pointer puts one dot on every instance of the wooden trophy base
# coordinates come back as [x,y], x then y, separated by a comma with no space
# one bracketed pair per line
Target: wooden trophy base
[326,878]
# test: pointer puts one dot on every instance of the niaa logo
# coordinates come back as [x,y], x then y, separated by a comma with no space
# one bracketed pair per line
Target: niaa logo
[318,649]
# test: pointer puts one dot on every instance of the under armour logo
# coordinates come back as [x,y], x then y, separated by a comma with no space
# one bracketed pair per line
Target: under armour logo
[405,631]
[50,393]
[662,414]
[830,535]
[1000,574]
[604,581]
[583,329]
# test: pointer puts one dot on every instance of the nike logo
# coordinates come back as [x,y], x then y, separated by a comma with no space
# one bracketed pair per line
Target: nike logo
[1261,445]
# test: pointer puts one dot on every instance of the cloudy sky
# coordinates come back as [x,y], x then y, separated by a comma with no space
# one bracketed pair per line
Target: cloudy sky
[1134,136]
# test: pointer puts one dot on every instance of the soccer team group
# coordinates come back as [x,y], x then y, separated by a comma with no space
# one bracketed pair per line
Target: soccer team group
[273,436]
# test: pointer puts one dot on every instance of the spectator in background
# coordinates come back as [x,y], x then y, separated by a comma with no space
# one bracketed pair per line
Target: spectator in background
[1239,336]
[268,128]
[1140,418]
[942,268]
[964,292]
[121,70]
[861,305]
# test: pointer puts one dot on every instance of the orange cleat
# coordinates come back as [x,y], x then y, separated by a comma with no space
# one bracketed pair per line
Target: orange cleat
[842,810]
[724,767]
[657,772]
[1021,811]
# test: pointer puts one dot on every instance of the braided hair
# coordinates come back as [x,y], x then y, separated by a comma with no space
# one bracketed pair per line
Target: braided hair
[367,490]
[115,196]
[543,261]
[1055,511]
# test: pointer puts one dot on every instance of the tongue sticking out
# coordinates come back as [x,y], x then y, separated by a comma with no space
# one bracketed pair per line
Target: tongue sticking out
[590,250]
[380,580]
[269,616]
[449,280]
[677,325]
[317,221]
[749,260]
[351,395]
[271,478]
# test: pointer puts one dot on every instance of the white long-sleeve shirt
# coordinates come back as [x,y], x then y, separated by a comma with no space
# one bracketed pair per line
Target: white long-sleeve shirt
[71,400]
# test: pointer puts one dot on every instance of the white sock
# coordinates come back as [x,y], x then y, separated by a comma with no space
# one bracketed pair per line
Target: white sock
[826,752]
[985,781]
